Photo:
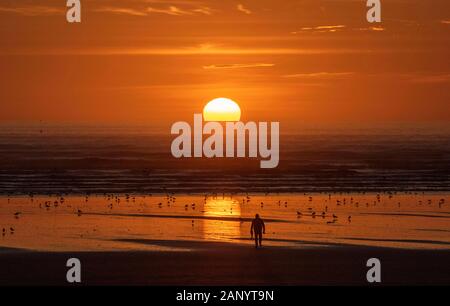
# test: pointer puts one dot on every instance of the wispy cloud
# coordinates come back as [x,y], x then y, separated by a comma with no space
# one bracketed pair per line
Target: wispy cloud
[243,9]
[204,10]
[376,29]
[336,28]
[330,27]
[321,29]
[171,10]
[177,11]
[33,10]
[238,66]
[199,49]
[121,11]
[439,78]
[445,21]
[320,75]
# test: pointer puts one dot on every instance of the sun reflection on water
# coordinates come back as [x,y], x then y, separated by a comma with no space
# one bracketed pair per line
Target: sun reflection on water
[220,228]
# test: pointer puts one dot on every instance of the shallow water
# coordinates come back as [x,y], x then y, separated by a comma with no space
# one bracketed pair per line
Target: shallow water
[112,222]
[92,162]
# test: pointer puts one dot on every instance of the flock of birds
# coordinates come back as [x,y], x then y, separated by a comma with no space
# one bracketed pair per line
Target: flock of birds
[115,200]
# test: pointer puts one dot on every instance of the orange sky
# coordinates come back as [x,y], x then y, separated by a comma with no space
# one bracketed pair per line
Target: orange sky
[155,61]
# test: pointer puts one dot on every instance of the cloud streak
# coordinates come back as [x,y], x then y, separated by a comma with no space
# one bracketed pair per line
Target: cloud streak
[33,10]
[243,9]
[171,10]
[431,79]
[121,11]
[177,8]
[336,28]
[320,75]
[321,29]
[376,29]
[198,50]
[237,66]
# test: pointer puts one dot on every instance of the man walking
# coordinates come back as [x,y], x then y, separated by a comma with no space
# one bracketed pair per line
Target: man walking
[259,229]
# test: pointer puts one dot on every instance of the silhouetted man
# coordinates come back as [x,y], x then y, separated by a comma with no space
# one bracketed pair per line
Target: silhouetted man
[259,228]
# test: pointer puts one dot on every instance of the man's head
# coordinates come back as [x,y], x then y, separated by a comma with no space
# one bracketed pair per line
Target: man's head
[257,216]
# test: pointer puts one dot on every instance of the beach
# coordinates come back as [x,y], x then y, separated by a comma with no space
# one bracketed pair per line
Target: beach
[226,265]
[179,239]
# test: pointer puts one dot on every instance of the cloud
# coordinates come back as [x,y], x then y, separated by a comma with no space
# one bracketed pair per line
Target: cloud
[204,10]
[329,27]
[171,10]
[336,28]
[243,9]
[320,75]
[177,11]
[238,66]
[199,49]
[430,79]
[33,10]
[121,11]
[321,29]
[445,21]
[376,29]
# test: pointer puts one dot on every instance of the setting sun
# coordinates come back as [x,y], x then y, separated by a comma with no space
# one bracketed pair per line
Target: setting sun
[222,109]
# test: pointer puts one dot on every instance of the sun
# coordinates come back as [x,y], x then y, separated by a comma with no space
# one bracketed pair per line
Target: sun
[221,109]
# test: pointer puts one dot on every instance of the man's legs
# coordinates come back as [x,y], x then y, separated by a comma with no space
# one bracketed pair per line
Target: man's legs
[256,240]
[260,239]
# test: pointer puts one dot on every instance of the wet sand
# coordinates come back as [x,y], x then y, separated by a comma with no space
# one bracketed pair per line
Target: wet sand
[216,263]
